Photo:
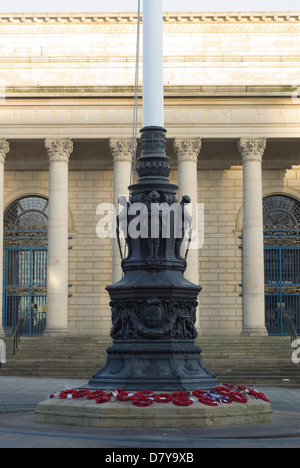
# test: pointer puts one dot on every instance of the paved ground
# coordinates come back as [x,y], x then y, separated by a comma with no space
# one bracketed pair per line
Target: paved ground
[18,397]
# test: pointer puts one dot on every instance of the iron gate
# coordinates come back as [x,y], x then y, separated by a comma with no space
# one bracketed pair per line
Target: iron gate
[282,289]
[25,289]
[282,263]
[25,265]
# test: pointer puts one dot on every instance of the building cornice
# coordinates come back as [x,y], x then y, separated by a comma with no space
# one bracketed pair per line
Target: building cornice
[131,18]
[201,92]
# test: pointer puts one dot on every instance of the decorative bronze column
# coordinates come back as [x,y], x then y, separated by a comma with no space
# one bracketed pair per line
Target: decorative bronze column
[154,306]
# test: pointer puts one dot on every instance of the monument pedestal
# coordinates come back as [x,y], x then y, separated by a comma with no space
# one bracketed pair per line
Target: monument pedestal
[118,415]
[153,315]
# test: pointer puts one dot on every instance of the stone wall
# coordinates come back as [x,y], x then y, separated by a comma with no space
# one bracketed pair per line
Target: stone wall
[90,260]
[72,50]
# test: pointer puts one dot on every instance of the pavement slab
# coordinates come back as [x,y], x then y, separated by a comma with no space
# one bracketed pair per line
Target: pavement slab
[18,429]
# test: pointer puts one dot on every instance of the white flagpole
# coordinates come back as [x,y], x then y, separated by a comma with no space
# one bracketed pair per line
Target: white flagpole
[153,98]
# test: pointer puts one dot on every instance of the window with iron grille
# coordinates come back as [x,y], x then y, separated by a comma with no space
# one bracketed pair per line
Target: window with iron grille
[282,263]
[25,265]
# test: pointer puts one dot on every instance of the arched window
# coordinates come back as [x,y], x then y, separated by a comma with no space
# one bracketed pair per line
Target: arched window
[26,219]
[25,265]
[282,263]
[281,212]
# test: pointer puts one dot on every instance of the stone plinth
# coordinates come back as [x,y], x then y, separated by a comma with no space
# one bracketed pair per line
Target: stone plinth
[113,415]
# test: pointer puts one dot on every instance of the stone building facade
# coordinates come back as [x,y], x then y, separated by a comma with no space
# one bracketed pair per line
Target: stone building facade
[232,113]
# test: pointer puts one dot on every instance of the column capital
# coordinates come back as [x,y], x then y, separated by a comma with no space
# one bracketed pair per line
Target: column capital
[4,149]
[59,150]
[121,149]
[252,149]
[187,149]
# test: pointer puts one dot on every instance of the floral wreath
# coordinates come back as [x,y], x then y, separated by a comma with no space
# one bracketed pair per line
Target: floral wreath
[224,394]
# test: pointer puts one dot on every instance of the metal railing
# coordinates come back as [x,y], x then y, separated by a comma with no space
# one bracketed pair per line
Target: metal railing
[292,330]
[17,334]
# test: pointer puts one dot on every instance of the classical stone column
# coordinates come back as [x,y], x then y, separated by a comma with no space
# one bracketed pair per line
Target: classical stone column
[252,151]
[187,151]
[57,286]
[121,151]
[187,155]
[4,149]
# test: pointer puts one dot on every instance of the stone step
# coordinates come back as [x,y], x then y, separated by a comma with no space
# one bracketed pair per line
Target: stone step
[79,345]
[231,377]
[78,342]
[247,361]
